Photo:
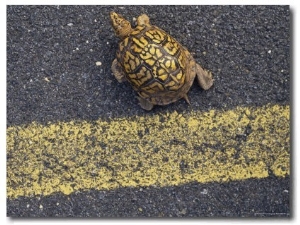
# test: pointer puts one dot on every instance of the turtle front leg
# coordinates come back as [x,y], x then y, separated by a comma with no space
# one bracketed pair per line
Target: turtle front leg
[143,20]
[204,77]
[117,71]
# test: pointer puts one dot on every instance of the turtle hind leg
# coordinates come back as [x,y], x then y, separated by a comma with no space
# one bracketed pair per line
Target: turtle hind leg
[204,77]
[117,71]
[145,104]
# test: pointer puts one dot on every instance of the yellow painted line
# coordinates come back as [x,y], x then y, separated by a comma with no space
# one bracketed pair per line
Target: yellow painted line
[158,150]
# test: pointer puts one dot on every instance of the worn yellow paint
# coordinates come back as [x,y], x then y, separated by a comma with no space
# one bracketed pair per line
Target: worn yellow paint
[157,150]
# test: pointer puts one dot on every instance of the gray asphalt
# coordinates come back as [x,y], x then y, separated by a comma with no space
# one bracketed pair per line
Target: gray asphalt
[246,48]
[251,198]
[52,76]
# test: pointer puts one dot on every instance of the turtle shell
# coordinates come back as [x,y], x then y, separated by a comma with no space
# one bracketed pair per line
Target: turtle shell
[156,65]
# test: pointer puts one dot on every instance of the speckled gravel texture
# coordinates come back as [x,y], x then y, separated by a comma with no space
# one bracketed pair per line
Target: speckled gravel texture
[234,199]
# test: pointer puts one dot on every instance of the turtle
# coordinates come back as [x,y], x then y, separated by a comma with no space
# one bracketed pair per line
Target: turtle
[157,66]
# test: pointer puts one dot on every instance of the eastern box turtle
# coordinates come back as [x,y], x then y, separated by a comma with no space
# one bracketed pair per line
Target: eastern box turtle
[159,68]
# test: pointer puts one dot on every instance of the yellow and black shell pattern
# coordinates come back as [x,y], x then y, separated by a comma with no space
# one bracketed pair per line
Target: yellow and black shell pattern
[154,63]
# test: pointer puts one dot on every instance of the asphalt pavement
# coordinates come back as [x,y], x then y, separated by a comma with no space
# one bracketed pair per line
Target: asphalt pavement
[58,70]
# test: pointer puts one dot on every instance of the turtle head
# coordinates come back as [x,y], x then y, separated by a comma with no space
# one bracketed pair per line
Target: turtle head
[121,26]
